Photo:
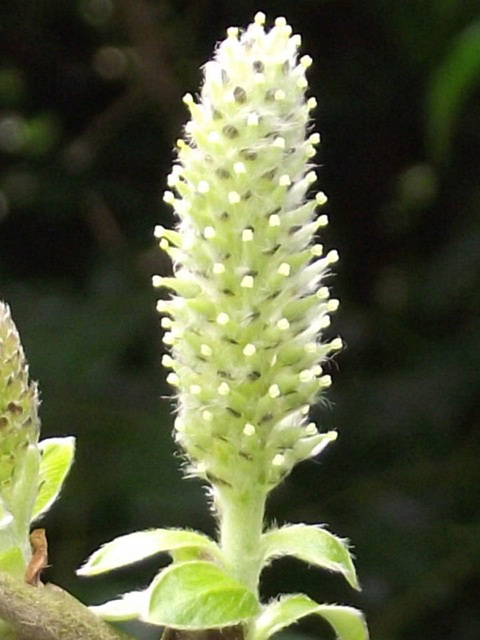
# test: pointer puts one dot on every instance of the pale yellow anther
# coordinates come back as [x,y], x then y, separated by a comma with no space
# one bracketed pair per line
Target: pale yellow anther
[332,256]
[314,138]
[195,389]
[158,231]
[317,250]
[247,235]
[306,61]
[311,177]
[223,389]
[173,179]
[223,318]
[279,95]
[233,197]
[168,197]
[172,378]
[285,180]
[274,359]
[310,347]
[207,415]
[284,269]
[311,429]
[302,83]
[321,198]
[188,99]
[157,281]
[218,268]
[336,344]
[166,323]
[249,429]
[306,375]
[209,233]
[249,350]
[278,460]
[214,137]
[162,306]
[279,142]
[232,32]
[332,305]
[297,40]
[274,391]
[274,220]
[317,370]
[325,381]
[310,151]
[239,168]
[205,350]
[203,186]
[283,324]
[164,244]
[260,18]
[311,103]
[247,282]
[167,361]
[325,322]
[323,293]
[280,22]
[305,409]
[252,119]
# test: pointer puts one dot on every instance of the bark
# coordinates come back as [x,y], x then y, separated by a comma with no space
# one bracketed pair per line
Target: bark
[47,612]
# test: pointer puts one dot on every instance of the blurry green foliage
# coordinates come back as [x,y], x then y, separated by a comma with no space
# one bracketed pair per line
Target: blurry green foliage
[89,109]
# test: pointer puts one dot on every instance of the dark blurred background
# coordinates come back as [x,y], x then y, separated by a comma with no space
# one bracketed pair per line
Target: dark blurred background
[90,106]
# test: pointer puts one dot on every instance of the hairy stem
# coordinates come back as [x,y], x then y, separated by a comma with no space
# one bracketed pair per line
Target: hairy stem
[241,525]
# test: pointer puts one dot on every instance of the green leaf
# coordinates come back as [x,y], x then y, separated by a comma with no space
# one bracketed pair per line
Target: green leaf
[198,595]
[450,86]
[348,623]
[13,562]
[311,544]
[128,607]
[143,544]
[55,463]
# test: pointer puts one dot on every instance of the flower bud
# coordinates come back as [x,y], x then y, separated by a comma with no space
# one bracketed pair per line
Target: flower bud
[246,343]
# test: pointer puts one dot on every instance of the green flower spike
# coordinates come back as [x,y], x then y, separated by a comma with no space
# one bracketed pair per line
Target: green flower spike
[31,473]
[244,327]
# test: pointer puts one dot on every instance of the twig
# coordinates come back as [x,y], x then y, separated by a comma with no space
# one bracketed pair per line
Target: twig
[50,613]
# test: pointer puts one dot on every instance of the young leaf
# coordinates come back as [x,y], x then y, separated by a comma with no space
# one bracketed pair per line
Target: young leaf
[198,595]
[311,544]
[13,562]
[127,607]
[56,460]
[348,623]
[143,544]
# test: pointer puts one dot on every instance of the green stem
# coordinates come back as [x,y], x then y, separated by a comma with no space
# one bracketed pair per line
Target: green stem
[241,525]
